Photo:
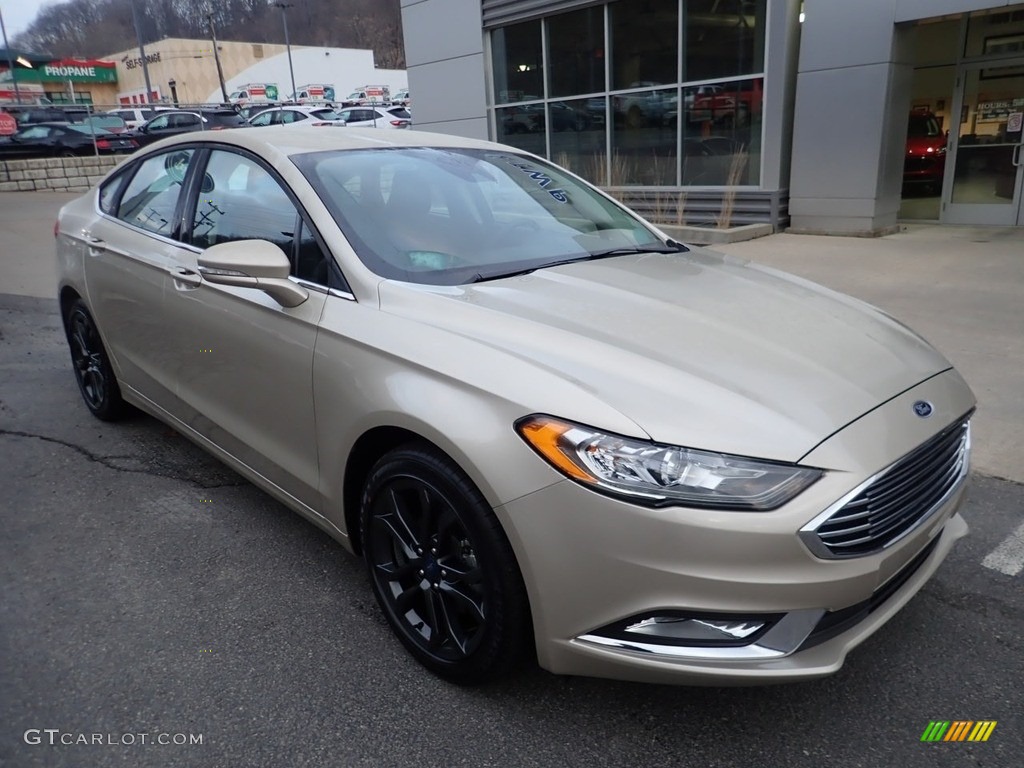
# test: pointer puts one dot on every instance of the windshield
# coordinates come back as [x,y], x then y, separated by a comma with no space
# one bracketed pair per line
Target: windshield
[924,126]
[451,216]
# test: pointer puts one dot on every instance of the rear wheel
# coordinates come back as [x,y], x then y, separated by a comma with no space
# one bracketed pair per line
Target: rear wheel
[441,567]
[93,371]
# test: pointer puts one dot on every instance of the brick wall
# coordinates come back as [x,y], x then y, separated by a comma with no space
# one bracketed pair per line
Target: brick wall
[64,174]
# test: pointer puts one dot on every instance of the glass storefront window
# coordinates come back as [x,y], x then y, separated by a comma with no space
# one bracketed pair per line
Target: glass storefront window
[576,52]
[622,116]
[522,126]
[518,63]
[996,33]
[724,38]
[643,139]
[578,134]
[644,42]
[722,134]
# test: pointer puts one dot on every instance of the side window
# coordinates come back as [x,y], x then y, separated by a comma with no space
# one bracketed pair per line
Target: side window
[159,122]
[151,197]
[239,200]
[185,121]
[35,132]
[311,263]
[262,119]
[110,190]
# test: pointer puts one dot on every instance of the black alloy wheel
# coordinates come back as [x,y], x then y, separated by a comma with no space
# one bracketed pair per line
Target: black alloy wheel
[93,371]
[442,568]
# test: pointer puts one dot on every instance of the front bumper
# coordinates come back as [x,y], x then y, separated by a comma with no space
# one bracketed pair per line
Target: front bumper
[592,562]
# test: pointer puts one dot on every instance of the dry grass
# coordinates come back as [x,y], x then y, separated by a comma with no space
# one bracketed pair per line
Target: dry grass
[736,170]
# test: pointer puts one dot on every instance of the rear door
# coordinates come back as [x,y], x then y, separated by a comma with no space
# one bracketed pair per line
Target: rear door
[131,247]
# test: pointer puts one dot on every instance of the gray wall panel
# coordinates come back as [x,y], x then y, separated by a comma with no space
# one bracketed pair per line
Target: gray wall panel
[845,34]
[448,87]
[447,90]
[498,12]
[838,131]
[455,25]
[912,10]
[473,128]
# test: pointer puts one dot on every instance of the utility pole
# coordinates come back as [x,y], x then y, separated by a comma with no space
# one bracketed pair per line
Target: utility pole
[287,43]
[142,53]
[216,57]
[10,62]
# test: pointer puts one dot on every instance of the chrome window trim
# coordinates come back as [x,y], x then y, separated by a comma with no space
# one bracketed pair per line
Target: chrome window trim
[781,640]
[150,233]
[809,533]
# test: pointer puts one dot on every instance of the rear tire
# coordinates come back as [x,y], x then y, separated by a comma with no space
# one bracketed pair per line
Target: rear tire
[93,372]
[441,567]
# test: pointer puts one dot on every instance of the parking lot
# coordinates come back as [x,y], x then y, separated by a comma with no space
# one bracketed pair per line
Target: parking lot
[148,590]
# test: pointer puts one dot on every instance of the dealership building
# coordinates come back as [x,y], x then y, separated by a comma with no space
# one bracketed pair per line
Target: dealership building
[820,116]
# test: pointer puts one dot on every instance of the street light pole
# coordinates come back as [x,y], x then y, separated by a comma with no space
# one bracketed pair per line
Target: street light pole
[10,62]
[287,43]
[216,57]
[142,52]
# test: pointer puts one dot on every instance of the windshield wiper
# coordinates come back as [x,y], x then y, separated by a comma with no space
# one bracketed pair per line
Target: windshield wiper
[671,246]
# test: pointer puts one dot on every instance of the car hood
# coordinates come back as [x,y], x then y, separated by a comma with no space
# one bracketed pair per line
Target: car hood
[696,349]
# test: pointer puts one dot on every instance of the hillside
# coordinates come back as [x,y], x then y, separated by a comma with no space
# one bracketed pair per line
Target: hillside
[91,28]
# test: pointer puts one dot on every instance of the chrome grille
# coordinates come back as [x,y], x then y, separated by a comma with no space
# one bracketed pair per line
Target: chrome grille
[896,500]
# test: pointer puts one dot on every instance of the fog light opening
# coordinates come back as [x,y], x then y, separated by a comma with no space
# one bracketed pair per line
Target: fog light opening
[697,630]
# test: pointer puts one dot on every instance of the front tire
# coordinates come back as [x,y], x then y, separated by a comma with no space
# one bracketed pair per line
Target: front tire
[93,372]
[441,567]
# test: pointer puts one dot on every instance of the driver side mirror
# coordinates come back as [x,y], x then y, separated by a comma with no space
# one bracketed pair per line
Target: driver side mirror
[256,264]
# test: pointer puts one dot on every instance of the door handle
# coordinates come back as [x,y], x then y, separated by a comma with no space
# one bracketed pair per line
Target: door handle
[186,278]
[1016,155]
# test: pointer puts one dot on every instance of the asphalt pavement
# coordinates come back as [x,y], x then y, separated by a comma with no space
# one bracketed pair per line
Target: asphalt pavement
[148,594]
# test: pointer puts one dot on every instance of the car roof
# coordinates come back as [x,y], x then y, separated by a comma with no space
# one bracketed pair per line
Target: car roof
[285,140]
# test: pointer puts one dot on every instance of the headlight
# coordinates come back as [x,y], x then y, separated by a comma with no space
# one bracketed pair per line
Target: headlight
[661,475]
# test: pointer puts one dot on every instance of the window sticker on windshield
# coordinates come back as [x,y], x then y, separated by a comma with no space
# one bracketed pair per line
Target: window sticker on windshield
[542,179]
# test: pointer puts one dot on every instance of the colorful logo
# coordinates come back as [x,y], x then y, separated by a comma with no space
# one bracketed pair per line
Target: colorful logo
[958,730]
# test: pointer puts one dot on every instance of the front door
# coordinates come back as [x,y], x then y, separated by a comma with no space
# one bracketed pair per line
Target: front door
[985,185]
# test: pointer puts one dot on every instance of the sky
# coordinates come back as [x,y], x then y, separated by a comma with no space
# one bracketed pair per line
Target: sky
[18,14]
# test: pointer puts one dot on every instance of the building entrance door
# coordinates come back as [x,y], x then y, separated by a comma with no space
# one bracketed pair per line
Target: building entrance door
[984,179]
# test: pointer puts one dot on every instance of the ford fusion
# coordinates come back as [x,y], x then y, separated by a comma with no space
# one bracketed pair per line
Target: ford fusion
[549,430]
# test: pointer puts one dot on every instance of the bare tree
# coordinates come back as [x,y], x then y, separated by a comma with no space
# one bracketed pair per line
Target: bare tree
[92,28]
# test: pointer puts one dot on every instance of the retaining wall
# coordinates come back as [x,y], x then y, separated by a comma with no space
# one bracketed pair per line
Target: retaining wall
[63,174]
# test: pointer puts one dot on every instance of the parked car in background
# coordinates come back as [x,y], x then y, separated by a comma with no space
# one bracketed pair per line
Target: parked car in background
[112,123]
[303,116]
[549,430]
[43,113]
[249,111]
[63,140]
[174,122]
[402,97]
[402,113]
[133,116]
[924,163]
[373,117]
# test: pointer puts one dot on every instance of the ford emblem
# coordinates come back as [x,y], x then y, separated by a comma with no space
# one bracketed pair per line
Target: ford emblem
[923,408]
